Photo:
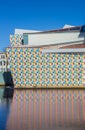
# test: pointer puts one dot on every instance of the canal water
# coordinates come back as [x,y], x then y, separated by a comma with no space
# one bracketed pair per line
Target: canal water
[42,109]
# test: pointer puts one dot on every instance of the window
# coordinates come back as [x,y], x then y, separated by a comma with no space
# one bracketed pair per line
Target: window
[25,39]
[2,56]
[83,28]
[0,63]
[4,63]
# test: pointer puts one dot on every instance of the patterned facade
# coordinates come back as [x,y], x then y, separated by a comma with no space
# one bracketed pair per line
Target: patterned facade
[31,68]
[16,39]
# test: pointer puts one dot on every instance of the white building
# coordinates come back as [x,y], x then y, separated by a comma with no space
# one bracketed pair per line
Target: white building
[68,35]
[3,62]
[21,31]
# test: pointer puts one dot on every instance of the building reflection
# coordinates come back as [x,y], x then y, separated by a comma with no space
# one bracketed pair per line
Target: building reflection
[5,104]
[47,110]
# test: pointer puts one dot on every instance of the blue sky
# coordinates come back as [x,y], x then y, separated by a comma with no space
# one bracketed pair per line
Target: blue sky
[39,15]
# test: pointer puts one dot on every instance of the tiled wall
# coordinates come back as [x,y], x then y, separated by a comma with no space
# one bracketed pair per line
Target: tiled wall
[31,68]
[16,39]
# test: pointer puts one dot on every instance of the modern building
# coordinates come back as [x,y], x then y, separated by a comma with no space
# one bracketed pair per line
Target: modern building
[67,36]
[54,58]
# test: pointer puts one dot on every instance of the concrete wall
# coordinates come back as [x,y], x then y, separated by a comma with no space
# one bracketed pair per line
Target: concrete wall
[54,38]
[21,31]
[2,82]
[60,39]
[31,68]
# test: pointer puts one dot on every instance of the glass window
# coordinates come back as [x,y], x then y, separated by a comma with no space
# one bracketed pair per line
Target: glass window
[25,39]
[0,63]
[2,56]
[83,28]
[4,62]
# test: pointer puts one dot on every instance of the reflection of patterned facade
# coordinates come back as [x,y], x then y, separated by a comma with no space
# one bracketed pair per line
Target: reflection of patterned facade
[47,110]
[31,67]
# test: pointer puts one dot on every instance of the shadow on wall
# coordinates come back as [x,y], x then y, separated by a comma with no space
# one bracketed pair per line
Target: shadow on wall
[8,79]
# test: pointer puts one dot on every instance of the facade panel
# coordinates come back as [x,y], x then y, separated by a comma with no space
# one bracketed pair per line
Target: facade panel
[31,68]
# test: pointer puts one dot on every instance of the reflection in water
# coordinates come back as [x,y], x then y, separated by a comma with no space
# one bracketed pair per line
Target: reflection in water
[5,102]
[47,110]
[8,92]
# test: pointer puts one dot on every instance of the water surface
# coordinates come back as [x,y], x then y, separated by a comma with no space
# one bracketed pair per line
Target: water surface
[43,110]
